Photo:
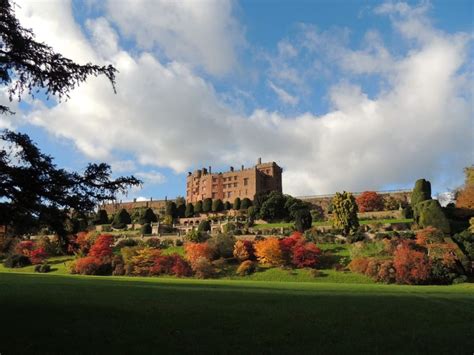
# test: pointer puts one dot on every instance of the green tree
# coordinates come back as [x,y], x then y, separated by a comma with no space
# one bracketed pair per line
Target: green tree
[227,206]
[430,213]
[245,204]
[198,207]
[189,212]
[217,205]
[180,206]
[421,192]
[204,226]
[101,218]
[345,213]
[171,209]
[207,205]
[34,192]
[121,219]
[147,216]
[146,229]
[236,205]
[251,215]
[303,220]
[259,199]
[273,209]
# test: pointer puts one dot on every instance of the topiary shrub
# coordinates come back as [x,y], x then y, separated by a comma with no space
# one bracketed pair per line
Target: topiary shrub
[217,205]
[43,268]
[145,229]
[245,203]
[430,213]
[303,220]
[189,211]
[247,267]
[204,226]
[345,213]
[121,219]
[207,205]
[16,261]
[421,192]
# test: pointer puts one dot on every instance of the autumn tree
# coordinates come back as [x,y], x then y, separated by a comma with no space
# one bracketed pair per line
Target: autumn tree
[268,251]
[369,201]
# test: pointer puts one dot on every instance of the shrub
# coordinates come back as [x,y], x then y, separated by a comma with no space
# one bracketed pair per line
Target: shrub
[345,213]
[387,272]
[421,192]
[229,227]
[207,205]
[148,216]
[100,218]
[145,229]
[407,212]
[43,268]
[143,261]
[305,255]
[287,244]
[429,235]
[102,247]
[369,201]
[412,266]
[247,267]
[222,244]
[359,265]
[189,211]
[25,247]
[154,243]
[268,251]
[204,226]
[91,265]
[217,205]
[180,267]
[127,242]
[51,247]
[121,219]
[38,255]
[429,213]
[303,220]
[194,251]
[195,237]
[129,252]
[203,268]
[198,207]
[244,250]
[236,205]
[16,260]
[245,203]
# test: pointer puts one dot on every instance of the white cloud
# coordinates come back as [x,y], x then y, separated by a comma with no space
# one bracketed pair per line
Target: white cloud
[283,95]
[166,115]
[151,177]
[202,33]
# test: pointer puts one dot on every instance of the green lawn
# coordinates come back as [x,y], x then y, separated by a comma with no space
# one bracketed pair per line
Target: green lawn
[328,223]
[57,314]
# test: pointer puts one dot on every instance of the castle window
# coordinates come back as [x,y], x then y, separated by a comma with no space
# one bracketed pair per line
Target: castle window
[235,177]
[235,184]
[229,194]
[246,181]
[213,195]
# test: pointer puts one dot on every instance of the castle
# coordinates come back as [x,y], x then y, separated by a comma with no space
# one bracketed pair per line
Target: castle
[226,186]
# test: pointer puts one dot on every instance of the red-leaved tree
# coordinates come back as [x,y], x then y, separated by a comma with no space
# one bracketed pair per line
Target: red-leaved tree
[102,247]
[411,263]
[369,201]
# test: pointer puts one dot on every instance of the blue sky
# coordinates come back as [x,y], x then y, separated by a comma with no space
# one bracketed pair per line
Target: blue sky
[350,95]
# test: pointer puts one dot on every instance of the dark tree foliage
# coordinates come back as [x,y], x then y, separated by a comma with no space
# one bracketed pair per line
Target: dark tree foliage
[36,193]
[227,206]
[147,216]
[273,209]
[101,217]
[236,205]
[121,219]
[198,207]
[171,209]
[259,199]
[189,212]
[217,205]
[245,203]
[26,66]
[303,220]
[207,205]
[204,226]
[421,192]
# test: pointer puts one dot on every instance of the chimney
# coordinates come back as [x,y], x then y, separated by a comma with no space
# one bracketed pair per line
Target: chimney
[210,170]
[231,168]
[242,167]
[259,161]
[204,171]
[134,200]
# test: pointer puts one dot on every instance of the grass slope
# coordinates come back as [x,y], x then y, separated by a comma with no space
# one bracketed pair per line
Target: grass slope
[78,314]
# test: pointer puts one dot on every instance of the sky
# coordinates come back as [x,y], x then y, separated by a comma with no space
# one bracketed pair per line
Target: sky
[344,95]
